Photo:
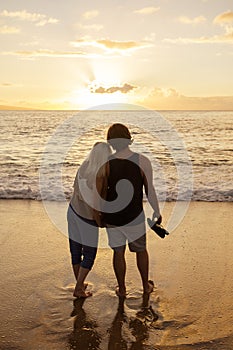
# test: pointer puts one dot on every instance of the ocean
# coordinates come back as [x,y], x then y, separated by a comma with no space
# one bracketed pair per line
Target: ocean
[191,151]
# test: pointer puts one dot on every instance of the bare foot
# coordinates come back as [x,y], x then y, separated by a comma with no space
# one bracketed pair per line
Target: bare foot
[80,291]
[81,294]
[120,293]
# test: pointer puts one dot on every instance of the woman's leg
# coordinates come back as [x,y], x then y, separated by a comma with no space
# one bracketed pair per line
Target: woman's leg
[74,241]
[76,256]
[83,236]
[76,268]
[80,285]
[89,254]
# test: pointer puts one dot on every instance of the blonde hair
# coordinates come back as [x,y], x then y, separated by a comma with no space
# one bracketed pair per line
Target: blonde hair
[96,161]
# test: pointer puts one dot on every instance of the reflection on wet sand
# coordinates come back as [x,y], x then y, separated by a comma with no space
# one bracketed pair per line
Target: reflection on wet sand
[84,335]
[116,340]
[138,326]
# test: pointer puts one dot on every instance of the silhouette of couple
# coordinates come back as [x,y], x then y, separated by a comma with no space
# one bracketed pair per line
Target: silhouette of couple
[108,192]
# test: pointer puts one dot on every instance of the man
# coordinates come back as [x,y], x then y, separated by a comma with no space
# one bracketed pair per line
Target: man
[129,173]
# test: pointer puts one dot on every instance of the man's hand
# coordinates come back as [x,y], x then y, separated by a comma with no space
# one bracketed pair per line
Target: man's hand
[159,219]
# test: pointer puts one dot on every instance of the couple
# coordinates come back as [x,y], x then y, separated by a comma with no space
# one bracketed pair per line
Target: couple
[108,192]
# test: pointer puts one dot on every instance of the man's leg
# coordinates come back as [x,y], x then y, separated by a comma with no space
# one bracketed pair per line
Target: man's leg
[119,266]
[143,267]
[117,241]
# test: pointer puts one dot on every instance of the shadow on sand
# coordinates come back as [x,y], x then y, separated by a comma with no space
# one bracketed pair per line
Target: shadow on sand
[138,326]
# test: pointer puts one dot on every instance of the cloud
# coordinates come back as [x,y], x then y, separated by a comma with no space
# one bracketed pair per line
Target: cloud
[225,17]
[170,99]
[123,89]
[6,84]
[38,18]
[226,38]
[108,45]
[195,20]
[96,27]
[112,45]
[9,30]
[10,85]
[216,39]
[120,45]
[147,10]
[225,20]
[44,53]
[90,14]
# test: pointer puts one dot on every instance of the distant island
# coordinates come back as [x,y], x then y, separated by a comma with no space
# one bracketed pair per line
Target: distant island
[130,107]
[15,108]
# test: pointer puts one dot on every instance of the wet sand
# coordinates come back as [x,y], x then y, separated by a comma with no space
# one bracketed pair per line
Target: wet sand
[190,308]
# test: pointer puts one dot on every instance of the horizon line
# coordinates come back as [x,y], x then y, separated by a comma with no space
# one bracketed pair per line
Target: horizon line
[128,110]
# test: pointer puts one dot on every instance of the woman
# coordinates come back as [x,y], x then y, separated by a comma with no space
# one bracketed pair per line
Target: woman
[84,213]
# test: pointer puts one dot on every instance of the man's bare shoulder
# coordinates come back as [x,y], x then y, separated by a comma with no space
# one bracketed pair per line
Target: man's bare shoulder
[144,161]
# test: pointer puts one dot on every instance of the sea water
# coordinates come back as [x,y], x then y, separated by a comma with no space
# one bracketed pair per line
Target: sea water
[191,151]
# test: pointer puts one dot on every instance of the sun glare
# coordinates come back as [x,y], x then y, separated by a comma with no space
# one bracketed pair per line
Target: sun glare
[84,98]
[107,72]
[105,85]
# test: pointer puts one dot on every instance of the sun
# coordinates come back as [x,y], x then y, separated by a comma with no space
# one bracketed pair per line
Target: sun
[107,72]
[104,75]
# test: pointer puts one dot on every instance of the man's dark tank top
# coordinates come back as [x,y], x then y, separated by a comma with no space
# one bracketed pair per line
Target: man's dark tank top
[125,169]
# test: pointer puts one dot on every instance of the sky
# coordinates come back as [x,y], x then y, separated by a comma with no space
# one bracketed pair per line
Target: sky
[165,54]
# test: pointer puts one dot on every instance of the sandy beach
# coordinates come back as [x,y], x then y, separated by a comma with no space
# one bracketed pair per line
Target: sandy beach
[190,308]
